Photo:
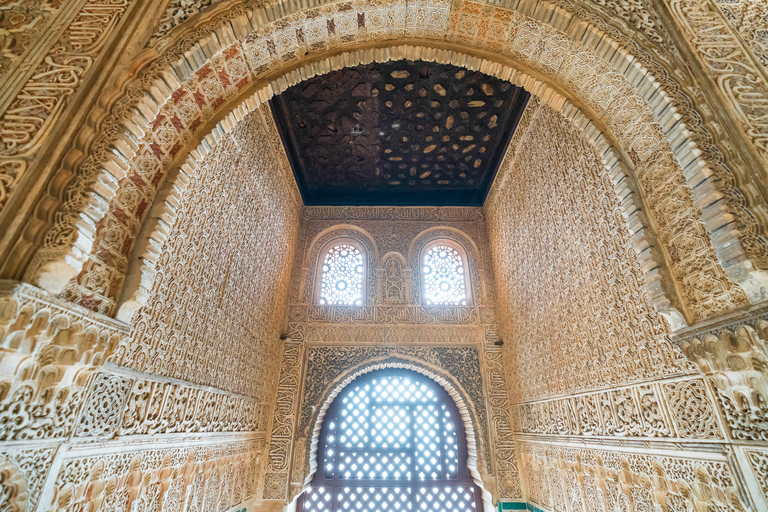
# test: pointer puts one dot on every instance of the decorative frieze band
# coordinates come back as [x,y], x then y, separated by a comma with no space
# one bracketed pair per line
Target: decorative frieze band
[454,315]
[592,478]
[121,405]
[678,409]
[207,477]
[436,214]
[390,334]
[286,405]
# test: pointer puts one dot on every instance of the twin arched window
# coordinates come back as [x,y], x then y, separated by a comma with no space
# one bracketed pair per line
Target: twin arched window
[392,440]
[443,275]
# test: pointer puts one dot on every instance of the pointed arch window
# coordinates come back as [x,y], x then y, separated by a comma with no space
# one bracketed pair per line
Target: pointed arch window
[342,275]
[392,440]
[444,275]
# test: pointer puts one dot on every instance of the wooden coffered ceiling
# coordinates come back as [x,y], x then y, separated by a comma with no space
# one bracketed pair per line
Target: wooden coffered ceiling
[398,133]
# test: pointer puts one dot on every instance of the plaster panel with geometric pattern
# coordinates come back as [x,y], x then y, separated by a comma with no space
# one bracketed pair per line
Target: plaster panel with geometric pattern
[383,255]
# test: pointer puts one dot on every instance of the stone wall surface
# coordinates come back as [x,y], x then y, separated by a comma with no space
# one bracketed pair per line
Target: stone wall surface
[593,368]
[393,328]
[617,59]
[169,412]
[612,358]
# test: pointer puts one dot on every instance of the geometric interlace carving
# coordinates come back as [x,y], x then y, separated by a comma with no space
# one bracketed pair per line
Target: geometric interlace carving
[392,441]
[342,277]
[444,281]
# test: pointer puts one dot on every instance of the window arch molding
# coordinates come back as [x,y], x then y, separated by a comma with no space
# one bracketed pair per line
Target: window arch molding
[325,241]
[476,450]
[463,245]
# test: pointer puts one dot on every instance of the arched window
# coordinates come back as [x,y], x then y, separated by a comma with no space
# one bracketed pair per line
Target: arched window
[392,440]
[444,276]
[342,275]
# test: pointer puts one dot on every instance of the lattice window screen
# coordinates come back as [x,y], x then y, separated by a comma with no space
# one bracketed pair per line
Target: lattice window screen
[392,441]
[341,280]
[444,281]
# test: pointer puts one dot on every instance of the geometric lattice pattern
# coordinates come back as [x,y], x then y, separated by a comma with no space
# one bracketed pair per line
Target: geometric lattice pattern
[390,442]
[342,278]
[444,282]
[374,466]
[396,133]
[446,498]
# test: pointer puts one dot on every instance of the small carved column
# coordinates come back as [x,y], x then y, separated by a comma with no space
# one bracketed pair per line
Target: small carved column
[407,276]
[379,285]
[303,280]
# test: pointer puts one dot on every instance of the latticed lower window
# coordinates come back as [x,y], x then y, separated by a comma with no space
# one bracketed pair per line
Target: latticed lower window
[341,281]
[392,441]
[444,279]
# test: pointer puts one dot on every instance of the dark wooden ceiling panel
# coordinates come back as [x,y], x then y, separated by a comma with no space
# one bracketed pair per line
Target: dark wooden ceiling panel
[398,133]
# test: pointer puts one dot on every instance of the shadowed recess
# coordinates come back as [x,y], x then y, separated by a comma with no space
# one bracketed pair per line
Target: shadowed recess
[398,133]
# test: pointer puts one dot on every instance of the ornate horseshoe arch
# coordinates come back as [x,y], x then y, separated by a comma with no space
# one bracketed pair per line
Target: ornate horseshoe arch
[474,439]
[622,104]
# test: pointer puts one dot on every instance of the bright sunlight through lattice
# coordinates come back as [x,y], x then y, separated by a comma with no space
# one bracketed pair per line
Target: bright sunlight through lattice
[342,276]
[444,282]
[390,444]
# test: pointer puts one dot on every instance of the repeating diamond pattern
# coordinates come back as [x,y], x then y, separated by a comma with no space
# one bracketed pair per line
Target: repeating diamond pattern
[428,456]
[354,419]
[445,498]
[329,456]
[374,466]
[375,499]
[391,426]
[391,445]
[450,449]
[318,499]
[405,390]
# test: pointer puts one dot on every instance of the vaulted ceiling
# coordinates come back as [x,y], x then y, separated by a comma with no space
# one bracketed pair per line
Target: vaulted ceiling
[398,133]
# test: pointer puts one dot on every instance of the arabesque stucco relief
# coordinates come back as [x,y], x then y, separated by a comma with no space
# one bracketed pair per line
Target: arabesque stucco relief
[160,343]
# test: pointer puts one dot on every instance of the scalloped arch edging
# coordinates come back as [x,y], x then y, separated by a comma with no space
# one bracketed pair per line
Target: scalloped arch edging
[54,269]
[630,203]
[452,388]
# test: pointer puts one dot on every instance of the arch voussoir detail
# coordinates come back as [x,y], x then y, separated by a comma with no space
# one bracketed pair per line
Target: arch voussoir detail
[87,257]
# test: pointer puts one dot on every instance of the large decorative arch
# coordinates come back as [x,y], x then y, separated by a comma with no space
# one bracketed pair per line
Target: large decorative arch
[586,78]
[475,441]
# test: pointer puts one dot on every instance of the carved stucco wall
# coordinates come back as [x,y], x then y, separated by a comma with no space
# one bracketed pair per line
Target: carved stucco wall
[57,94]
[570,288]
[172,409]
[327,344]
[572,50]
[748,18]
[217,304]
[592,367]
